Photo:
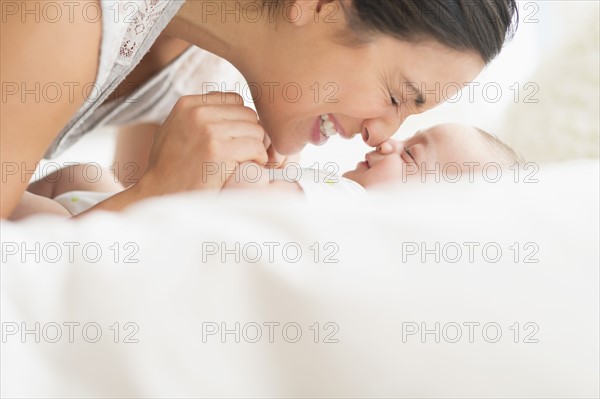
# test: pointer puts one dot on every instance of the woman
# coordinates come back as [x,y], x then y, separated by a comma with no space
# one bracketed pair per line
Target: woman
[364,65]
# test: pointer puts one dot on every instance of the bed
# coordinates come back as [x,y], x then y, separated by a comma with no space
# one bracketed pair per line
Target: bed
[404,294]
[468,289]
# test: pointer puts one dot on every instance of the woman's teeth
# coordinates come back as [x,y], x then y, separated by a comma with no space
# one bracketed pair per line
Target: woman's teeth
[327,126]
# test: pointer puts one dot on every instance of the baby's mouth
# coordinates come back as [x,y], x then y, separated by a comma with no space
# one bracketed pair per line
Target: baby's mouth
[327,127]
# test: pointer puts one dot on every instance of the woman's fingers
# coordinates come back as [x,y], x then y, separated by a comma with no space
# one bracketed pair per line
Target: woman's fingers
[204,137]
[238,129]
[220,112]
[214,99]
[245,149]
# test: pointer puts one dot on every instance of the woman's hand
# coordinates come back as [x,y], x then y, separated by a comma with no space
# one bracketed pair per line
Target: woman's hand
[200,144]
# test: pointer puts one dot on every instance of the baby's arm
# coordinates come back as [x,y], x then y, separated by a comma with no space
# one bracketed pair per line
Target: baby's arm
[251,175]
[75,178]
[40,194]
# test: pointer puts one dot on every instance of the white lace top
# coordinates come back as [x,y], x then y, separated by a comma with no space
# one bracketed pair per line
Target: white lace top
[129,28]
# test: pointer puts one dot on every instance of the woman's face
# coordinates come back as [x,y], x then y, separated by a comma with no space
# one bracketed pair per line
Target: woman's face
[368,89]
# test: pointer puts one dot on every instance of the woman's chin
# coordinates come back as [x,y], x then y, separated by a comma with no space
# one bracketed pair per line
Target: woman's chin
[286,148]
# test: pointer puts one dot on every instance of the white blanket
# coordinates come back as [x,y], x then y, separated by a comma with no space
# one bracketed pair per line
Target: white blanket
[372,305]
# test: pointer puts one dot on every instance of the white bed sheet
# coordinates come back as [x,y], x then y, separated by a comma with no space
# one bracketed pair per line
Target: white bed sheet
[368,297]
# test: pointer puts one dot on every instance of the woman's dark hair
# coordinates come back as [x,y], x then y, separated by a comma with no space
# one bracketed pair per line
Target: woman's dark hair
[482,26]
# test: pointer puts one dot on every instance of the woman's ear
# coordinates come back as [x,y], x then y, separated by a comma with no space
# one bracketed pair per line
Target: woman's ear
[303,12]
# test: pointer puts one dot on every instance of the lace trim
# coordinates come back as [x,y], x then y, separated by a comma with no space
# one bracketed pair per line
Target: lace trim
[140,19]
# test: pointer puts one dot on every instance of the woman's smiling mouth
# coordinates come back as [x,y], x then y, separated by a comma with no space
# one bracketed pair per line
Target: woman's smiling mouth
[327,126]
[330,127]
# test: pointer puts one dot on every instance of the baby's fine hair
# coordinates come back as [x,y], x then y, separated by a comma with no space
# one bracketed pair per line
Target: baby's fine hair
[507,155]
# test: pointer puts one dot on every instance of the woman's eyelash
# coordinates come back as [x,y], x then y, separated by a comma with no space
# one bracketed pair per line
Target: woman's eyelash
[396,103]
[409,154]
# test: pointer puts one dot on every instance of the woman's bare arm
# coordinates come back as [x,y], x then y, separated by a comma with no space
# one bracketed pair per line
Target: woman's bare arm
[39,57]
[201,131]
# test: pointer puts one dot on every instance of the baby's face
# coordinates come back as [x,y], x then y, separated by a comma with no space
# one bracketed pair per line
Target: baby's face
[441,144]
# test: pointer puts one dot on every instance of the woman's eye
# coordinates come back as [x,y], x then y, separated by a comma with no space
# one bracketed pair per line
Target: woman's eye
[395,101]
[409,154]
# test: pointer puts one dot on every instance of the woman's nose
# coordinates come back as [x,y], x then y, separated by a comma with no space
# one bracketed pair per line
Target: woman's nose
[376,131]
[390,146]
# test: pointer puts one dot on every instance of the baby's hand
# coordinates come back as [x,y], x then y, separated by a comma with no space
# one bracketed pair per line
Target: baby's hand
[248,175]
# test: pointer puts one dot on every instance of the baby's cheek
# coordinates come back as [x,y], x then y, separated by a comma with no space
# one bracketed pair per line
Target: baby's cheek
[389,170]
[402,172]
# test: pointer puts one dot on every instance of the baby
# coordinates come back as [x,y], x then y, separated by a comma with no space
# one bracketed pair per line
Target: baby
[454,147]
[449,147]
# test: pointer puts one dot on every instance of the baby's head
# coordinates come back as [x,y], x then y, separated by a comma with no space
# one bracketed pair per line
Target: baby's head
[462,145]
